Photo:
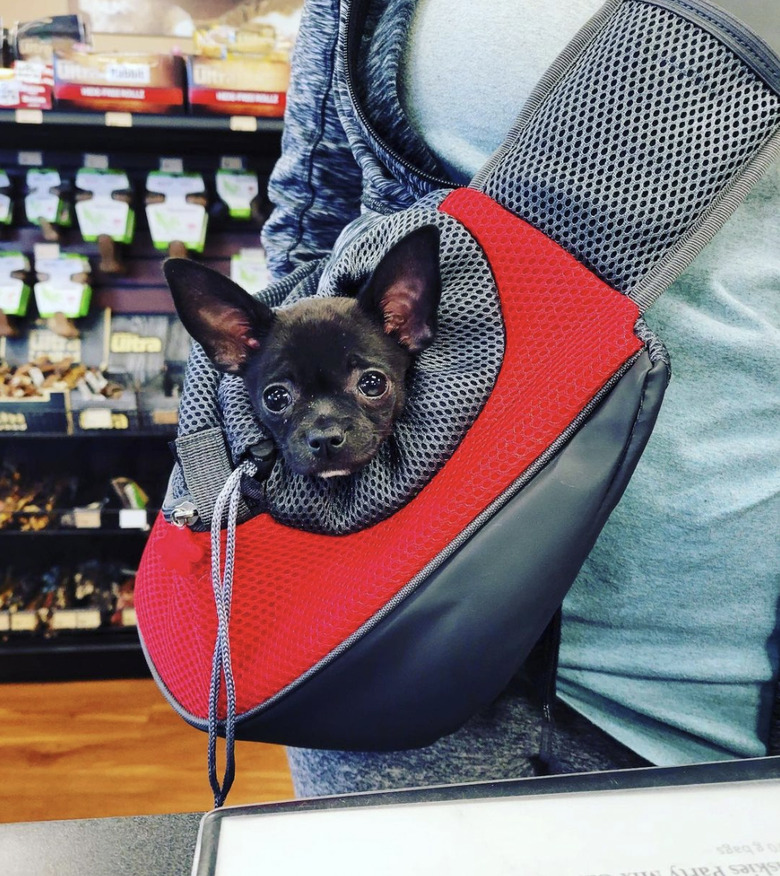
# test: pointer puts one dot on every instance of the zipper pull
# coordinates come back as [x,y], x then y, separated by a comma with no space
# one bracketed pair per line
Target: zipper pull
[184,514]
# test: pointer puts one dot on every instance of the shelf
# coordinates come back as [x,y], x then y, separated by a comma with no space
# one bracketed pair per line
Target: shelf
[183,121]
[200,138]
[70,656]
[137,143]
[100,434]
[75,533]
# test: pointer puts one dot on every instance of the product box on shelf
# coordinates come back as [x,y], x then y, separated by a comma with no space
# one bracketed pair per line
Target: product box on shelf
[45,412]
[122,373]
[94,594]
[112,82]
[241,64]
[27,85]
[153,349]
[51,383]
[28,81]
[104,400]
[39,39]
[238,86]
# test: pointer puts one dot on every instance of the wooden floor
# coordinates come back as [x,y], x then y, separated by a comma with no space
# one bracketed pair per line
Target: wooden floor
[104,748]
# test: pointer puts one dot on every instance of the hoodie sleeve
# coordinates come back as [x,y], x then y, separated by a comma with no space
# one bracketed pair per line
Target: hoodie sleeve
[315,186]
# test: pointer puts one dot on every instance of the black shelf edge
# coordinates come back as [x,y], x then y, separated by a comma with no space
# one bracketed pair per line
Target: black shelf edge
[84,656]
[75,533]
[96,433]
[146,120]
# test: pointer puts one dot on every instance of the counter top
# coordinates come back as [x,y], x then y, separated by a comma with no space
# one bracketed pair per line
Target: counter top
[149,845]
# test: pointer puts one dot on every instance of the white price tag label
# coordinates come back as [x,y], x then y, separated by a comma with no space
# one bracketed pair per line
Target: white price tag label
[95,162]
[231,162]
[29,116]
[96,418]
[133,518]
[119,120]
[30,159]
[243,123]
[172,165]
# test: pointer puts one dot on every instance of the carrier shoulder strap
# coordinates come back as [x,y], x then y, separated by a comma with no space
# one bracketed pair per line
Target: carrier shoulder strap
[644,135]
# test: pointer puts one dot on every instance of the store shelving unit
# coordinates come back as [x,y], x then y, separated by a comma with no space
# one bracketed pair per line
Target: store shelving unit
[138,144]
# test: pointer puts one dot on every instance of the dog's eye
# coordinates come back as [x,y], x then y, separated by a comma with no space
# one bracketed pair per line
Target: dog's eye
[373,384]
[276,398]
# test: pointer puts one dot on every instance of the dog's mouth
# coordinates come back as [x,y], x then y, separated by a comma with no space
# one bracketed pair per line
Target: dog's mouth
[335,468]
[330,468]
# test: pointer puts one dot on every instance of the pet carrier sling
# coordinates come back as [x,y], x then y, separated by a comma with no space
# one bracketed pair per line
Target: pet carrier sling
[380,611]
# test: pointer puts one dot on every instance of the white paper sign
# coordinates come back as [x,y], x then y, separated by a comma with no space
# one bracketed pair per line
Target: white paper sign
[699,830]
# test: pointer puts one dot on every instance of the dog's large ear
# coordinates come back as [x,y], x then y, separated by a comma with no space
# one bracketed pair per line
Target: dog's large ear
[404,290]
[225,320]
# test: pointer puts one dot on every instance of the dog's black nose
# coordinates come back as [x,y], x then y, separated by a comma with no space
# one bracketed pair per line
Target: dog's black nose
[325,442]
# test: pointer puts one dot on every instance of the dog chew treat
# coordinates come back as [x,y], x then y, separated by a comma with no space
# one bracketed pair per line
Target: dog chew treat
[8,327]
[177,250]
[384,609]
[109,263]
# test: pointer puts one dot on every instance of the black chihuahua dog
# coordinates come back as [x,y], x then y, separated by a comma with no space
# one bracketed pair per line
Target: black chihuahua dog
[326,376]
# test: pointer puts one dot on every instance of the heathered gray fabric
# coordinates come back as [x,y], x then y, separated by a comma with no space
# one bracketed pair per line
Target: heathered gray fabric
[500,743]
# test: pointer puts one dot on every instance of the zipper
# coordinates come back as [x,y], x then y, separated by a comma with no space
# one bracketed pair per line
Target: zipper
[356,15]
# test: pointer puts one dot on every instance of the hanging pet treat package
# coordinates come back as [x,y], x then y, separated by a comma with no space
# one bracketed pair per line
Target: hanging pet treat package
[14,286]
[176,209]
[383,609]
[46,202]
[249,268]
[63,285]
[6,202]
[237,189]
[103,204]
[105,213]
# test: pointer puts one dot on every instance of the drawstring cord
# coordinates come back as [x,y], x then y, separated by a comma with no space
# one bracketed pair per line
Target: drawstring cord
[221,667]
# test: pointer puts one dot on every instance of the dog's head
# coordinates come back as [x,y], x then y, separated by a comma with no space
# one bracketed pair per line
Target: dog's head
[326,376]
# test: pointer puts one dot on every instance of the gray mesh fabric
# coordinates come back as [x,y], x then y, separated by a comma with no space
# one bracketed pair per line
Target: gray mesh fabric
[634,144]
[449,382]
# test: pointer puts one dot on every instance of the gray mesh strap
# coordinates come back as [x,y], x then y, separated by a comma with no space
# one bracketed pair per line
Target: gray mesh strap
[206,466]
[658,280]
[642,139]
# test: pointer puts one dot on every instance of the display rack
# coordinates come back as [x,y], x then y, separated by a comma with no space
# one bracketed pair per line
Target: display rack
[138,144]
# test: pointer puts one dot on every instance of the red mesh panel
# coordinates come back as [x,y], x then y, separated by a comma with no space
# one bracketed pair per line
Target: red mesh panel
[298,595]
